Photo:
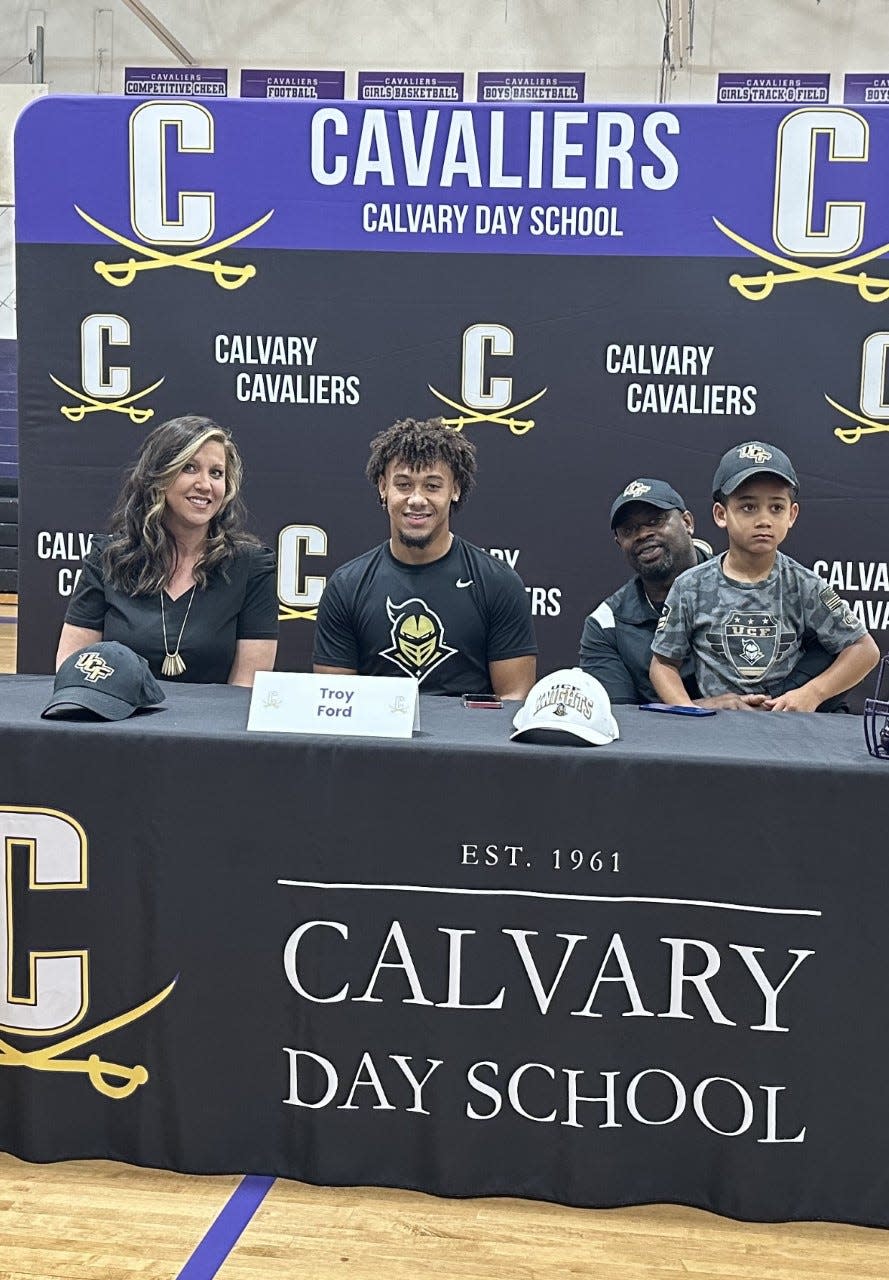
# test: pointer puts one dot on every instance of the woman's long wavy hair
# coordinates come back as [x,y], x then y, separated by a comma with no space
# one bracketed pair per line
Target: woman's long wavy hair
[141,555]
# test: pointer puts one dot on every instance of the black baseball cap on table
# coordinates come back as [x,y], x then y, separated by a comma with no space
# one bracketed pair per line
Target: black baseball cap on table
[746,461]
[107,679]
[657,493]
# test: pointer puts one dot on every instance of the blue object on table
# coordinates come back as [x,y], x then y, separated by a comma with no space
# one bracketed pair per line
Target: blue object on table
[677,711]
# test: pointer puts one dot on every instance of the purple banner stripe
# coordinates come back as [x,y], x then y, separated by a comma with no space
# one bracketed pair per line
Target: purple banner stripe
[223,1234]
[510,179]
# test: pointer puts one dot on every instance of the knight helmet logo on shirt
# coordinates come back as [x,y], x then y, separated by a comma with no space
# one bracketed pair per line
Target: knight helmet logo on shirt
[751,641]
[418,643]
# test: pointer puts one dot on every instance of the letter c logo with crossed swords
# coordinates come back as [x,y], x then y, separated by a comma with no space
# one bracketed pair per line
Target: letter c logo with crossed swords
[517,426]
[100,1073]
[757,288]
[89,404]
[865,427]
[122,274]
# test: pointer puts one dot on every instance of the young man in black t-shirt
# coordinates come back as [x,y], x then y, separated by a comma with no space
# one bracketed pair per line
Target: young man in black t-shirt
[426,604]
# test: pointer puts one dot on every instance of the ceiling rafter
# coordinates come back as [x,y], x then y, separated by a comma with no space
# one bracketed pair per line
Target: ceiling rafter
[166,37]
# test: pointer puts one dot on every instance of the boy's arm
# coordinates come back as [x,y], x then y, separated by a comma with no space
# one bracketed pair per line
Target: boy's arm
[669,649]
[664,675]
[848,667]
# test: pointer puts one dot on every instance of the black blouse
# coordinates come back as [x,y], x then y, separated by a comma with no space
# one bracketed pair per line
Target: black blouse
[238,603]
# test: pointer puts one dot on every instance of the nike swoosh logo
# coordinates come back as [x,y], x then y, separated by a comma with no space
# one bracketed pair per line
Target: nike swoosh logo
[461,583]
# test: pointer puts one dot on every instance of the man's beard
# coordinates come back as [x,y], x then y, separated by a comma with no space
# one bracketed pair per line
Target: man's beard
[673,561]
[664,568]
[417,541]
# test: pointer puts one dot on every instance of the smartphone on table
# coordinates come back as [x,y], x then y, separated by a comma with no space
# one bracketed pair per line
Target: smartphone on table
[481,700]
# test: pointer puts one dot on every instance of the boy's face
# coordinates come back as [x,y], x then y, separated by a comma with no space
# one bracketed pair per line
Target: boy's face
[758,515]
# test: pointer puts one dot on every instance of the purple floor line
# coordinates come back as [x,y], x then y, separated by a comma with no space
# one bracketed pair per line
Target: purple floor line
[223,1234]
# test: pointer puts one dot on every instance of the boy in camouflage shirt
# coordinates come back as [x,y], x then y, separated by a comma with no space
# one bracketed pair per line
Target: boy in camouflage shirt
[744,615]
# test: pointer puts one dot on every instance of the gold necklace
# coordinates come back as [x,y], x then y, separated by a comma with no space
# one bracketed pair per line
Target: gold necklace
[658,608]
[173,665]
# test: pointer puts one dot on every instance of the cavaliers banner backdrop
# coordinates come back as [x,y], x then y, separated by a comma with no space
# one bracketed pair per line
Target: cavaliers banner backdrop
[589,293]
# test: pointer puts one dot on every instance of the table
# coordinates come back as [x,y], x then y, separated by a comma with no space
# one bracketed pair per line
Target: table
[646,972]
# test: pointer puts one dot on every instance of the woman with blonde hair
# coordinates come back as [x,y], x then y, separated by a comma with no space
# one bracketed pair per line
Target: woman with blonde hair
[178,580]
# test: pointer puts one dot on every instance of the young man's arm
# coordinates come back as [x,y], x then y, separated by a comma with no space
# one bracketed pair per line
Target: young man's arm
[848,667]
[512,678]
[512,645]
[336,645]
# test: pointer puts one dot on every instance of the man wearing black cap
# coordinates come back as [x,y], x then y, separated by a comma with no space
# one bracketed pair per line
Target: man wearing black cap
[743,616]
[654,529]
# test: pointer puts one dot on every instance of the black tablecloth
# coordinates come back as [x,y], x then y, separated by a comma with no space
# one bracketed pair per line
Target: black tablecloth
[650,971]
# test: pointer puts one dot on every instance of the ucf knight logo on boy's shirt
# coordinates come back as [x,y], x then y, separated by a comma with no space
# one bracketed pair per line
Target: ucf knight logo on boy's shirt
[752,642]
[418,644]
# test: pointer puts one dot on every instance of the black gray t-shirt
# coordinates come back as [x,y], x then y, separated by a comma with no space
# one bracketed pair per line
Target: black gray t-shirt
[242,607]
[441,623]
[746,636]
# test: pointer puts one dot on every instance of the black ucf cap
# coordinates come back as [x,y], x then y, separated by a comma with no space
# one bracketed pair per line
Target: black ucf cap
[753,458]
[657,493]
[106,678]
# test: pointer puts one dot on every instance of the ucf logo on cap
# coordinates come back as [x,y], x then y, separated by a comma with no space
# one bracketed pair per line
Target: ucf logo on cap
[636,488]
[754,453]
[94,667]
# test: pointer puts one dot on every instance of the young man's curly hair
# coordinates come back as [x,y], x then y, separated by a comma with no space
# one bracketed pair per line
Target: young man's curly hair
[420,445]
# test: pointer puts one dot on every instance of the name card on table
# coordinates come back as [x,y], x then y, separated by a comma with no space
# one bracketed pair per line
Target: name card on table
[356,706]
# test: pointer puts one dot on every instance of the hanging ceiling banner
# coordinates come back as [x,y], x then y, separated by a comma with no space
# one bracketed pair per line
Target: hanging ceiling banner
[175,82]
[530,86]
[410,86]
[293,84]
[769,88]
[591,294]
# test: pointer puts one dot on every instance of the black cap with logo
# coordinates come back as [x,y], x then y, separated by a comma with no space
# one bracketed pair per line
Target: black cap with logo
[107,679]
[657,493]
[753,458]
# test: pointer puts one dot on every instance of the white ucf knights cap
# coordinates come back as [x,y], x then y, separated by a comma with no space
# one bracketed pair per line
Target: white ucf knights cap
[566,706]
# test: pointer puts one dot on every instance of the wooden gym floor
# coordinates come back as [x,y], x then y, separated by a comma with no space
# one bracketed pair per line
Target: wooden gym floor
[8,613]
[95,1220]
[101,1221]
